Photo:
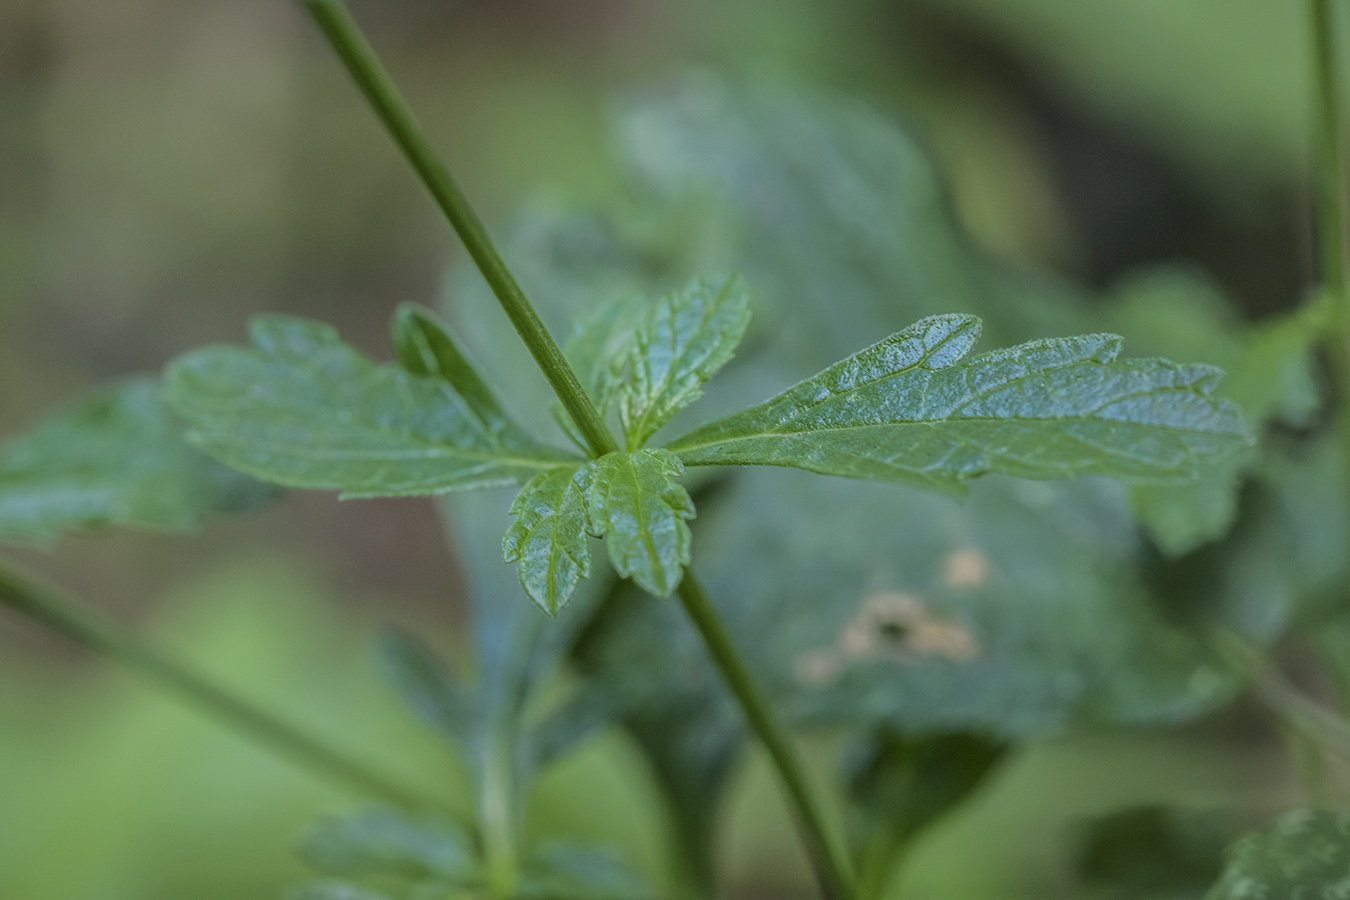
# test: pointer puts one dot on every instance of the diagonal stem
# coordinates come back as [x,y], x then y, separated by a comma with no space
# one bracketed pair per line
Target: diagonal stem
[44,605]
[394,113]
[830,862]
[828,857]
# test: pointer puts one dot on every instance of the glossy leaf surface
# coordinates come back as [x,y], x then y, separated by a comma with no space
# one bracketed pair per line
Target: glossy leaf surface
[642,514]
[687,337]
[301,408]
[914,409]
[115,457]
[548,539]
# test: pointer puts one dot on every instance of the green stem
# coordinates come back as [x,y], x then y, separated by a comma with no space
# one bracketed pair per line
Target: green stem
[827,855]
[829,860]
[44,605]
[370,76]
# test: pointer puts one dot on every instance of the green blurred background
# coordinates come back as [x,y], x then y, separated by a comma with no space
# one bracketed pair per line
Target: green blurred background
[168,168]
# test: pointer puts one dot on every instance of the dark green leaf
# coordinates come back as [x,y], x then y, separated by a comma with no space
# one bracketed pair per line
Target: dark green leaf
[424,347]
[548,539]
[913,409]
[301,408]
[421,679]
[116,457]
[560,871]
[687,337]
[384,842]
[642,515]
[598,347]
[1304,854]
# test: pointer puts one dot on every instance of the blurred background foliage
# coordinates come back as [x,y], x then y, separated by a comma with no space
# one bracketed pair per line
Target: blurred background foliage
[167,169]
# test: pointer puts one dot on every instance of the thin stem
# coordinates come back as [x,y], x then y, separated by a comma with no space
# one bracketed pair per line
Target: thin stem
[370,76]
[827,855]
[44,605]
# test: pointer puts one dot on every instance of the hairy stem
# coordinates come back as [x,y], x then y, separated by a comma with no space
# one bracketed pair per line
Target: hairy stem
[829,860]
[379,90]
[44,605]
[827,856]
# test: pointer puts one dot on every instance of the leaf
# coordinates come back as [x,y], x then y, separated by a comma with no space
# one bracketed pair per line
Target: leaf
[563,871]
[585,713]
[384,842]
[334,890]
[686,339]
[1303,854]
[114,457]
[642,515]
[421,679]
[548,538]
[1153,851]
[300,408]
[424,347]
[597,348]
[912,409]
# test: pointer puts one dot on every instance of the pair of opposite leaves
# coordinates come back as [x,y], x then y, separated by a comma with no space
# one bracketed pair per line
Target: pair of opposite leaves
[302,409]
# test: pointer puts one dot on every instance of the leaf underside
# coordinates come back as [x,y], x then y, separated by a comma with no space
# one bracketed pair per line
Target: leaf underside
[302,409]
[914,409]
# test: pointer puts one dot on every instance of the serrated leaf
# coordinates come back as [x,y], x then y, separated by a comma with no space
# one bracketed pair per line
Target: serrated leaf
[301,408]
[597,348]
[1303,854]
[913,409]
[563,871]
[548,539]
[642,515]
[688,336]
[420,677]
[115,457]
[384,842]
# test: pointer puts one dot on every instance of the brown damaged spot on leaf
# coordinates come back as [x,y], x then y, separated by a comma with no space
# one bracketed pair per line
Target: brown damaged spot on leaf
[890,625]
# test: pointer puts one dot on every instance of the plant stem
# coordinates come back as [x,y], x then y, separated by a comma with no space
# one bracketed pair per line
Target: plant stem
[370,76]
[827,856]
[44,605]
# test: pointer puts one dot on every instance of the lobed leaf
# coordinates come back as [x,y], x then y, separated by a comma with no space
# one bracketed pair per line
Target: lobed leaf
[548,538]
[597,348]
[687,337]
[1303,854]
[115,457]
[913,409]
[301,408]
[642,515]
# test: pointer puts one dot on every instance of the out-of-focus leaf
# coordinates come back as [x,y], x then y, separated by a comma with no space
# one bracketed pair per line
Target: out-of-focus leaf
[642,515]
[587,712]
[115,457]
[688,336]
[424,683]
[913,409]
[384,842]
[334,890]
[301,408]
[1149,852]
[559,871]
[899,786]
[1180,314]
[1303,854]
[548,539]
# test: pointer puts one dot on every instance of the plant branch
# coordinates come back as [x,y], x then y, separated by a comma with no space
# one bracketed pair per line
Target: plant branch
[829,860]
[44,605]
[827,856]
[374,82]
